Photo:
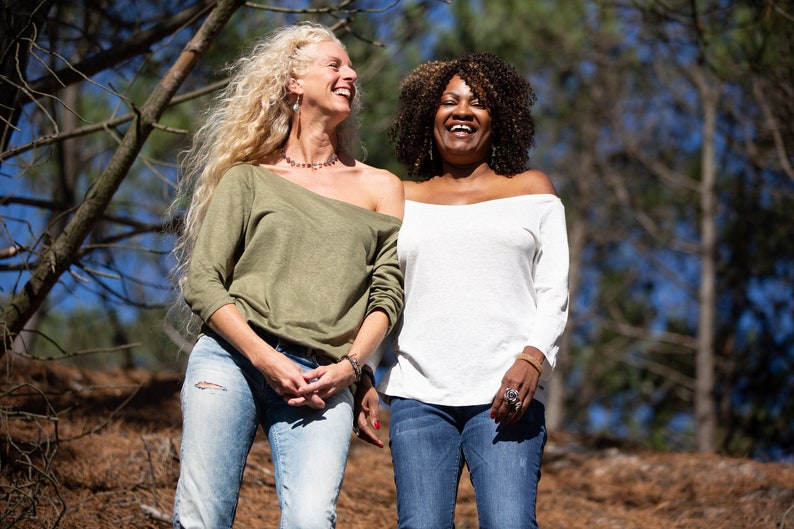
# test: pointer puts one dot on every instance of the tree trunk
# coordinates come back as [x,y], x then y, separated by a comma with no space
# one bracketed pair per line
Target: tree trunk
[705,411]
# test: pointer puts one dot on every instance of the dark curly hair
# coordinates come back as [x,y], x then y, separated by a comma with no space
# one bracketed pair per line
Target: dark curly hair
[506,94]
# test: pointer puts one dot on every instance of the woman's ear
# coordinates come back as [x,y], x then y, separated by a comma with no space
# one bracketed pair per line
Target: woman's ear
[294,86]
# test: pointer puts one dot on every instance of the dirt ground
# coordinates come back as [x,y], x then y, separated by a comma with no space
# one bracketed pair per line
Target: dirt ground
[87,449]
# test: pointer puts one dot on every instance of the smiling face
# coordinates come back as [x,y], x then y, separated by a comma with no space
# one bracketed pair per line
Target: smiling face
[329,83]
[462,126]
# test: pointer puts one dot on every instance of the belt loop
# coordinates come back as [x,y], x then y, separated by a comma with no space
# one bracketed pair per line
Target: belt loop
[291,347]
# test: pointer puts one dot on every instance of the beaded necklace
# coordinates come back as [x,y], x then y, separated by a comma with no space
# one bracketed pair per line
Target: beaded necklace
[317,165]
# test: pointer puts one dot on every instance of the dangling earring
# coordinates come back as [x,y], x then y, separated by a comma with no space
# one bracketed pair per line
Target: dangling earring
[297,104]
[430,152]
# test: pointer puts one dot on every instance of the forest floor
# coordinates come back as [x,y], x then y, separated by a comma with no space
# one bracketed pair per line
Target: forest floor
[91,449]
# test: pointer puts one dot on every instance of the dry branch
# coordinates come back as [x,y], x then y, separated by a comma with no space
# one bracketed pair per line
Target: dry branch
[60,255]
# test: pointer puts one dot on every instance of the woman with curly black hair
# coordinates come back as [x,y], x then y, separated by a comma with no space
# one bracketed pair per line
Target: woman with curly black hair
[484,251]
[498,87]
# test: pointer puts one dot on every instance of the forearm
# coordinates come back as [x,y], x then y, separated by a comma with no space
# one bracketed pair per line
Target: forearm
[230,325]
[370,335]
[283,375]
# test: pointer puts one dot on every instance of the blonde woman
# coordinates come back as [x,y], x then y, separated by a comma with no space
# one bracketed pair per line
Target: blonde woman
[288,257]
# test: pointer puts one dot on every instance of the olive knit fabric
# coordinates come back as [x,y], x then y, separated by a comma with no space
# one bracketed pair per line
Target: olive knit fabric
[302,266]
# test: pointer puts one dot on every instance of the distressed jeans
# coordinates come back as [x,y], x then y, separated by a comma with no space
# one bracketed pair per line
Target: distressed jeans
[429,446]
[224,399]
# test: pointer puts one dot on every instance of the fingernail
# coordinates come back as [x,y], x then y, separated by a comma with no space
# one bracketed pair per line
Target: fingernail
[377,425]
[493,415]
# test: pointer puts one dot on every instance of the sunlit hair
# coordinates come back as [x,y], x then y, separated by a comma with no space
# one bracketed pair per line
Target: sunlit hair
[506,94]
[248,121]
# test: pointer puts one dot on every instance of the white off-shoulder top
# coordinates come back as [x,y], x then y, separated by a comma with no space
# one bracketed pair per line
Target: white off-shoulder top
[482,281]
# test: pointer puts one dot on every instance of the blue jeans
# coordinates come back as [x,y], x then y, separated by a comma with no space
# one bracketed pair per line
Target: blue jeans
[429,446]
[224,399]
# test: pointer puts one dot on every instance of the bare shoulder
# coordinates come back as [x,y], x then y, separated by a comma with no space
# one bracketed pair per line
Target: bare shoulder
[374,177]
[534,182]
[388,179]
[385,188]
[382,181]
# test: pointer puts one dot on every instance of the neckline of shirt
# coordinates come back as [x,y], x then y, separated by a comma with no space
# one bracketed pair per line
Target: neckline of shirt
[545,196]
[318,196]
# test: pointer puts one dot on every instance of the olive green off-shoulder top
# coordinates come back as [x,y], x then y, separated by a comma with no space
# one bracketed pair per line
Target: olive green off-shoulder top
[302,266]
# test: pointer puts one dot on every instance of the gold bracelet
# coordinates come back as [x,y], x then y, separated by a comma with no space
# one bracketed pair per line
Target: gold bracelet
[534,362]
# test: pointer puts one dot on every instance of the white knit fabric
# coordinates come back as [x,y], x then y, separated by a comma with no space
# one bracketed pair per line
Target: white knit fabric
[482,281]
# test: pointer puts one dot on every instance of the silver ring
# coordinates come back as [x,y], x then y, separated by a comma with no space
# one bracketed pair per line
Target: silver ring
[518,405]
[511,396]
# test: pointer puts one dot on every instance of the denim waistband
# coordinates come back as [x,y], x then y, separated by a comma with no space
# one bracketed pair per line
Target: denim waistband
[283,345]
[287,346]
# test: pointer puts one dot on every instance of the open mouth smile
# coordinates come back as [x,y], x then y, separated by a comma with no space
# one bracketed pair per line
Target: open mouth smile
[344,92]
[461,129]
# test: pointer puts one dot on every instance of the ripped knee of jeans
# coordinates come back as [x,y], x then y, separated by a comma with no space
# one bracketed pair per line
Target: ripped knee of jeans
[208,385]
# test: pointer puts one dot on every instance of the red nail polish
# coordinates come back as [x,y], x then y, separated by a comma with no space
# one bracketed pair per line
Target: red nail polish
[493,415]
[377,425]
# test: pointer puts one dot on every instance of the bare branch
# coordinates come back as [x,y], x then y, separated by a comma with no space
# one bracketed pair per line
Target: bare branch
[773,128]
[72,354]
[644,334]
[104,125]
[24,493]
[137,44]
[656,368]
[155,514]
[65,247]
[341,8]
[9,251]
[20,25]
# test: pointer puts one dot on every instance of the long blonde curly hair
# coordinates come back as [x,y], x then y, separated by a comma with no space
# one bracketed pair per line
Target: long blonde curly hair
[248,121]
